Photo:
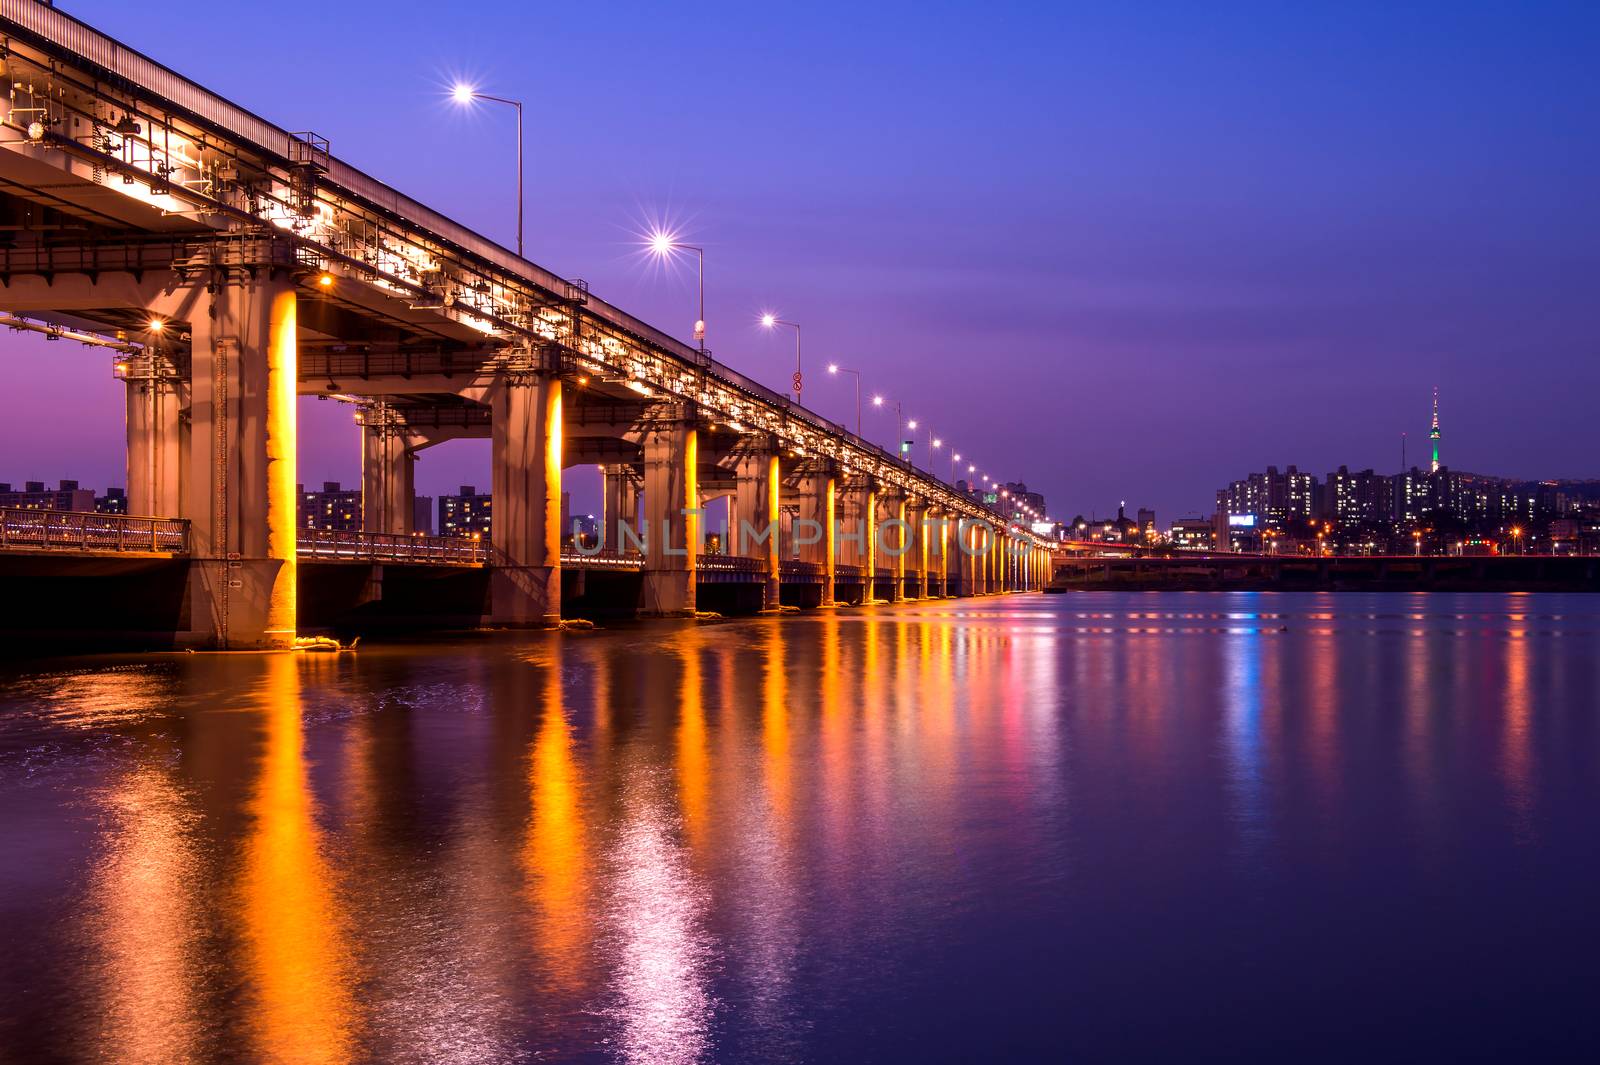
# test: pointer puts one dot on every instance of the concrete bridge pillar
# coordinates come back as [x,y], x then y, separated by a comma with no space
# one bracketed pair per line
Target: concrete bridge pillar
[239,488]
[671,515]
[856,534]
[525,523]
[896,542]
[757,483]
[954,557]
[388,477]
[916,517]
[158,437]
[817,499]
[985,560]
[621,507]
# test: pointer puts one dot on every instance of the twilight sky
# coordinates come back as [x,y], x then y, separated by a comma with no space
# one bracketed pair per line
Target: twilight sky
[1119,251]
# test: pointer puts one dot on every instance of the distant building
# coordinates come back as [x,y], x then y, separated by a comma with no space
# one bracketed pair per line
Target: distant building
[465,514]
[1017,497]
[1147,525]
[1271,498]
[115,501]
[422,515]
[1365,496]
[334,509]
[1194,534]
[35,496]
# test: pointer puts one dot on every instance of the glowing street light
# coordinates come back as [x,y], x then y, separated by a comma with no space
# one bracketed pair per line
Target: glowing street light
[769,321]
[835,368]
[663,245]
[900,424]
[466,95]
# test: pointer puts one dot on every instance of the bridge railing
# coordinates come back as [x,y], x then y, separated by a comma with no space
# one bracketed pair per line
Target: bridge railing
[608,560]
[338,546]
[79,530]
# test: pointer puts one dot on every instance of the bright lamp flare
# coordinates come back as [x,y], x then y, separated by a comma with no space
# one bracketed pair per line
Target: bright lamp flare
[157,325]
[662,243]
[877,401]
[769,320]
[833,367]
[463,94]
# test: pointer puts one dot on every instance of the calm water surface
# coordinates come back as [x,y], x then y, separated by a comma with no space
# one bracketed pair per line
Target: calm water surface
[1092,827]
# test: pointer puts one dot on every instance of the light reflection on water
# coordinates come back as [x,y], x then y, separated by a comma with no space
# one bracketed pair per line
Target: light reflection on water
[948,831]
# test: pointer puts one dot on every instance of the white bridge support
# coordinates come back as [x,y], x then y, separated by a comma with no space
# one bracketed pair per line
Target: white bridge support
[158,436]
[525,524]
[388,479]
[621,507]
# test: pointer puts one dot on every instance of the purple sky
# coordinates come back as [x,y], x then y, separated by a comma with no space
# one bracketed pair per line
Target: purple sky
[1117,251]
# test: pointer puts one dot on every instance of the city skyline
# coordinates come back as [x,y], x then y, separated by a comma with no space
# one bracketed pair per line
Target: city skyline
[1288,289]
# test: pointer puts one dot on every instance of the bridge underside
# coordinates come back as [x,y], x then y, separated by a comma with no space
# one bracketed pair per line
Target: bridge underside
[226,268]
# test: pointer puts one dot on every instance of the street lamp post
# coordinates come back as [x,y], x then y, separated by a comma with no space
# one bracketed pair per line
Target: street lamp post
[770,320]
[466,94]
[663,245]
[899,424]
[835,368]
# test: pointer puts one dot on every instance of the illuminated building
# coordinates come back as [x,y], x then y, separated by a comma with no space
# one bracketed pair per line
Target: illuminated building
[465,514]
[1365,496]
[115,501]
[35,496]
[333,509]
[1271,498]
[1194,534]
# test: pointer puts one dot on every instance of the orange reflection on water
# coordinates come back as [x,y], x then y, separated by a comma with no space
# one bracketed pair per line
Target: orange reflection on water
[1516,740]
[147,924]
[555,855]
[693,757]
[775,724]
[297,963]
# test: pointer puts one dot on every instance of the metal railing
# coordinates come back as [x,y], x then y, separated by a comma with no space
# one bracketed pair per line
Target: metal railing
[391,547]
[80,530]
[730,564]
[608,560]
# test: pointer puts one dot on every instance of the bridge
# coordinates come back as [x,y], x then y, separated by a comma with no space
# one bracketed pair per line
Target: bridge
[228,266]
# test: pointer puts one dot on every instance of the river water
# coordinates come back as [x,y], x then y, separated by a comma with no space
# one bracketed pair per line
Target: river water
[1097,826]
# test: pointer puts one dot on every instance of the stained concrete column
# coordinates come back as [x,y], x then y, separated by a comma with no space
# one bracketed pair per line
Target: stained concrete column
[239,493]
[817,503]
[857,546]
[671,517]
[938,550]
[757,483]
[895,542]
[388,478]
[986,560]
[525,519]
[916,512]
[955,561]
[621,508]
[158,437]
